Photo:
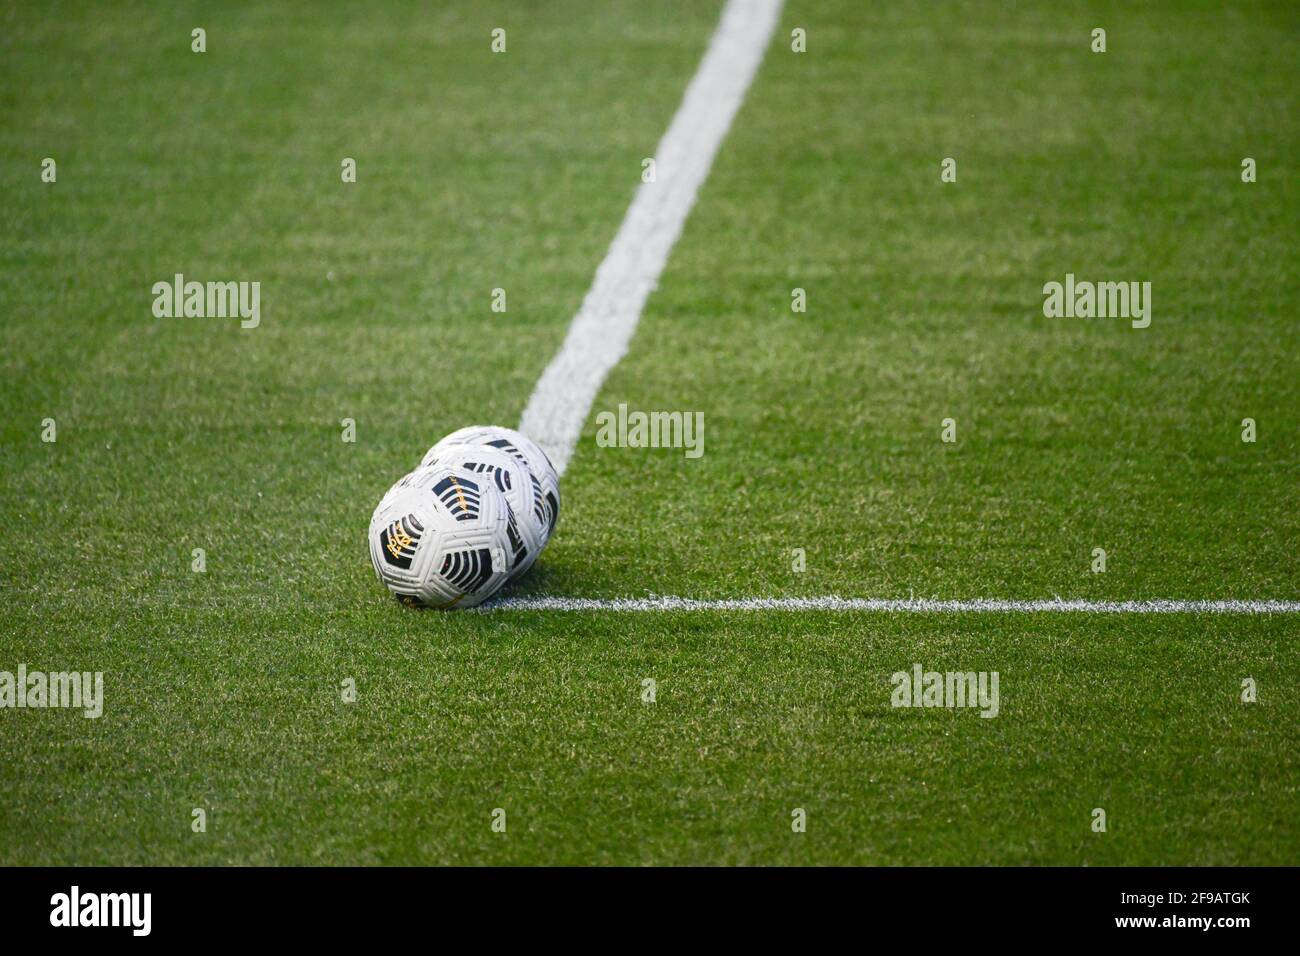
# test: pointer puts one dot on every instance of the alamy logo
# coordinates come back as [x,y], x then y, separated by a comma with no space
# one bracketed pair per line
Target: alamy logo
[78,690]
[103,909]
[1103,300]
[208,300]
[922,688]
[651,430]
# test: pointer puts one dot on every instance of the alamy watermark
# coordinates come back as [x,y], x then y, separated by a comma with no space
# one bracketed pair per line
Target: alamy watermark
[208,300]
[651,430]
[75,908]
[951,689]
[1102,300]
[77,690]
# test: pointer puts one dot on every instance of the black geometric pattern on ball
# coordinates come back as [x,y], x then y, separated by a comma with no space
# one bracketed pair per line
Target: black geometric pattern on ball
[399,539]
[460,496]
[467,570]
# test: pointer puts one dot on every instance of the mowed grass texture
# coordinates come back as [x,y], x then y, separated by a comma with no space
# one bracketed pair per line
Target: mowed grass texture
[541,715]
[478,171]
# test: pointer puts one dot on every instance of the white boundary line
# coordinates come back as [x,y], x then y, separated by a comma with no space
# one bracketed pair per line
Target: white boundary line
[603,327]
[600,333]
[894,606]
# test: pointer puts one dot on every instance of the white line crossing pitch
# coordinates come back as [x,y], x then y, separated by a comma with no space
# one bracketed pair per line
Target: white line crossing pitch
[895,606]
[599,334]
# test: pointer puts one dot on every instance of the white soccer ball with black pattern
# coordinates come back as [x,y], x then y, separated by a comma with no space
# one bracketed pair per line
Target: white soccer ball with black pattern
[528,524]
[440,538]
[523,449]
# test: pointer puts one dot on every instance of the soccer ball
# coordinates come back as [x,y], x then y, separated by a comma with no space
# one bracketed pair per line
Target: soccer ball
[543,477]
[441,538]
[528,524]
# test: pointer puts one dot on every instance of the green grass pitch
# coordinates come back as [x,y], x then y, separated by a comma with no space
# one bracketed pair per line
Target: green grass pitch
[478,171]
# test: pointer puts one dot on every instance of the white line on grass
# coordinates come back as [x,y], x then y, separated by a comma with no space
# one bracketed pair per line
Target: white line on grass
[603,327]
[599,334]
[894,606]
